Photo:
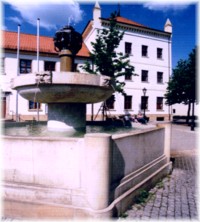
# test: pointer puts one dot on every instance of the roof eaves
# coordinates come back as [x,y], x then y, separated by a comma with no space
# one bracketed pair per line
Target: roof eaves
[141,27]
[30,51]
[86,26]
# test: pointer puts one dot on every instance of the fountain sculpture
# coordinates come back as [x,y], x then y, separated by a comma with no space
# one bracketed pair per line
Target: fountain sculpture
[65,92]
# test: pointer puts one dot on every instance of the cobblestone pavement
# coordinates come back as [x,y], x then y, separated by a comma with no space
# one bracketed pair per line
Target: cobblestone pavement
[175,197]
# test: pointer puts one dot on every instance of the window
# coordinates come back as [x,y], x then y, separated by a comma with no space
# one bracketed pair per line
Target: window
[159,53]
[128,102]
[25,66]
[49,66]
[160,118]
[110,103]
[159,77]
[3,106]
[144,50]
[128,48]
[3,66]
[46,109]
[159,103]
[33,105]
[128,76]
[144,76]
[75,67]
[144,102]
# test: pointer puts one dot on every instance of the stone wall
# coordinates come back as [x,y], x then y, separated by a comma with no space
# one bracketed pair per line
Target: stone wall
[95,176]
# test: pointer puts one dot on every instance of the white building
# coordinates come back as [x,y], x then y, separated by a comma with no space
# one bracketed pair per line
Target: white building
[149,50]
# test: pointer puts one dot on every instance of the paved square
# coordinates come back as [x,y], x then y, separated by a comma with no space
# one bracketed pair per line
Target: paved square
[175,197]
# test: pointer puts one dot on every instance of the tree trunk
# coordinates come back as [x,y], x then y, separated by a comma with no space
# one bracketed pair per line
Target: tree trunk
[193,106]
[193,118]
[188,113]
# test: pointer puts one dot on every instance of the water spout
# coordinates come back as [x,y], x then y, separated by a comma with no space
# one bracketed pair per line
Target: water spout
[69,20]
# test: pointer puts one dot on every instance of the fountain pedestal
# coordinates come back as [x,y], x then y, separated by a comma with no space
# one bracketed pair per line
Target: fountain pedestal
[66,116]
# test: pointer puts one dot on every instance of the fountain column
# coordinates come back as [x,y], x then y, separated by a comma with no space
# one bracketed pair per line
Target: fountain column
[67,42]
[67,116]
[66,61]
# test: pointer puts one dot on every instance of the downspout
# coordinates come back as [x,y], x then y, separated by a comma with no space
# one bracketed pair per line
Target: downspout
[38,48]
[169,72]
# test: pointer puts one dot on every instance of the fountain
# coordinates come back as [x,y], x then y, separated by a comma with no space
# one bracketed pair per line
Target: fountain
[65,92]
[97,175]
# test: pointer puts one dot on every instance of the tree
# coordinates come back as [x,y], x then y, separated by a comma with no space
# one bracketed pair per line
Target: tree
[182,85]
[192,81]
[176,85]
[106,60]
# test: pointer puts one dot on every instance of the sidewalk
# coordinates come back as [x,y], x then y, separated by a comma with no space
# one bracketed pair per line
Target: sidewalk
[175,197]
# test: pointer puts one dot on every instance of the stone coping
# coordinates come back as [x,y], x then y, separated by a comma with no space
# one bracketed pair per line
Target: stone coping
[63,87]
[71,78]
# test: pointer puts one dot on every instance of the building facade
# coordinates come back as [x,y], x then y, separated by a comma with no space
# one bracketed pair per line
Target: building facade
[149,51]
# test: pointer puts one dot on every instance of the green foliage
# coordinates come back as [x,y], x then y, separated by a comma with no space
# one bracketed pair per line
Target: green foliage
[160,185]
[106,60]
[142,197]
[175,90]
[182,85]
[123,215]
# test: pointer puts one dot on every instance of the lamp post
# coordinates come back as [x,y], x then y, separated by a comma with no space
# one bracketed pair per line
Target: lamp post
[144,92]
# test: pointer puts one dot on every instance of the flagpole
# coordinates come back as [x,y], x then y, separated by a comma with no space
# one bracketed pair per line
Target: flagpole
[18,71]
[38,48]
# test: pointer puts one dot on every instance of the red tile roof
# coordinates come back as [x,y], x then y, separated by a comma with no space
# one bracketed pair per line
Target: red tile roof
[28,43]
[127,21]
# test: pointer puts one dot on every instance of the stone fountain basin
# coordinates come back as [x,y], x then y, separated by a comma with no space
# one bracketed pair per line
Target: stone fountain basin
[64,87]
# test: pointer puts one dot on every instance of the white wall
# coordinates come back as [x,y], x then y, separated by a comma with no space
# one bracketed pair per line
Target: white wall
[181,109]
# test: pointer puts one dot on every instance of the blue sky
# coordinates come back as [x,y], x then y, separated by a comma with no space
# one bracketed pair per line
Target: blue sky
[55,14]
